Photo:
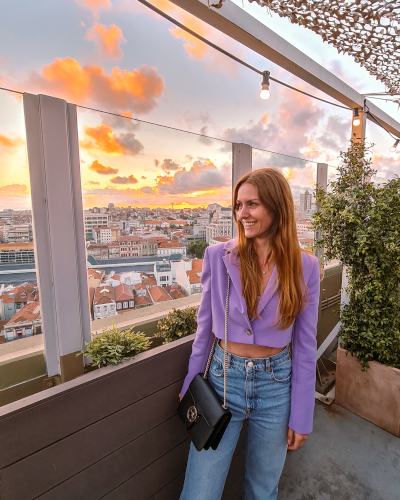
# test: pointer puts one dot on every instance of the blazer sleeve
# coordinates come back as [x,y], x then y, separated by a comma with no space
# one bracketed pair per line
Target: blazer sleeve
[204,336]
[304,349]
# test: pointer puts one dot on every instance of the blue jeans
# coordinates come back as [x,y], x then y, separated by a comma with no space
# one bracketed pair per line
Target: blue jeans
[261,394]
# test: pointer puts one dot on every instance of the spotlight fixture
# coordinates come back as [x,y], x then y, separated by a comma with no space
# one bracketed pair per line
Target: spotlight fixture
[356,117]
[394,147]
[265,93]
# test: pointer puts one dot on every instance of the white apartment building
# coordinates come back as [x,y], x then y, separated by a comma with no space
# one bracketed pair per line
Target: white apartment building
[170,247]
[188,275]
[102,235]
[221,227]
[95,220]
[104,303]
[303,227]
[21,233]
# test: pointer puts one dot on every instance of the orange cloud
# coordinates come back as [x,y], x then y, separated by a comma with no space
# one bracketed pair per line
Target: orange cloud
[95,5]
[11,143]
[131,179]
[103,138]
[122,90]
[14,189]
[193,46]
[102,169]
[107,39]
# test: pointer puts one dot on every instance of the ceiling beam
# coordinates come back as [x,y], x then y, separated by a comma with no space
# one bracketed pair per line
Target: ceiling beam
[241,26]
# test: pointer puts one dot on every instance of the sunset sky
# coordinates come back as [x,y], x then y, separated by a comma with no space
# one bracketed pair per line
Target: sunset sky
[120,57]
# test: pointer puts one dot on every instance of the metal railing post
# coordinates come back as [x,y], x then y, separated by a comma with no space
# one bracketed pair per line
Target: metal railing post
[242,159]
[59,239]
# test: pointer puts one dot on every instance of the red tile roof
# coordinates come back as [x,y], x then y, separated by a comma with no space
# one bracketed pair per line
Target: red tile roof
[29,312]
[158,294]
[170,244]
[20,290]
[122,292]
[177,294]
[95,273]
[122,239]
[222,238]
[105,297]
[197,266]
[142,300]
[149,281]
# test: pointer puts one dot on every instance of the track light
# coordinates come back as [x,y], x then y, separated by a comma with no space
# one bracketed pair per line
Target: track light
[394,147]
[356,118]
[265,93]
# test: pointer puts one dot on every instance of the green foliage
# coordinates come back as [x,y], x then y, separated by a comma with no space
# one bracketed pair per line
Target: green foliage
[177,324]
[198,248]
[113,346]
[360,226]
[158,228]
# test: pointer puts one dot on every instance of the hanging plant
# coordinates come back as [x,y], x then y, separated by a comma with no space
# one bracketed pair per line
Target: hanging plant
[360,226]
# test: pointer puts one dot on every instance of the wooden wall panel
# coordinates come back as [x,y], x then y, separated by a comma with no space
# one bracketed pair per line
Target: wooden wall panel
[105,392]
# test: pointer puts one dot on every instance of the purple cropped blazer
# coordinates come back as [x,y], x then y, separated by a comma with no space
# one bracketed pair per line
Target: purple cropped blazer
[221,260]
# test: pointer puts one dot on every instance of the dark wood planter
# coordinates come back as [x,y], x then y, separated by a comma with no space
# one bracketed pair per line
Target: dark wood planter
[373,394]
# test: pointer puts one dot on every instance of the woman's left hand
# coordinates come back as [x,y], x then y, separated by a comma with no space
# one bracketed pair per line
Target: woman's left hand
[295,441]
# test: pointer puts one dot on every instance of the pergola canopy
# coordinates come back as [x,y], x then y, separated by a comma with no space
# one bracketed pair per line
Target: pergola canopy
[368,30]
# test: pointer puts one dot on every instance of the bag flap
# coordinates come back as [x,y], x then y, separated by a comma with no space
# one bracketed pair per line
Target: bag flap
[206,400]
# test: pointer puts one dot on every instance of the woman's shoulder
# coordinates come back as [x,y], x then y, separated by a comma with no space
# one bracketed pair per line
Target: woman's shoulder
[220,249]
[310,264]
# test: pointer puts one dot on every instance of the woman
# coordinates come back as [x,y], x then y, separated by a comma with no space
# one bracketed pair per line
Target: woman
[275,296]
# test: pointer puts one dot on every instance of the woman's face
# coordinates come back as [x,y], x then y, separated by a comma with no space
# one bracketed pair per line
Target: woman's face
[251,213]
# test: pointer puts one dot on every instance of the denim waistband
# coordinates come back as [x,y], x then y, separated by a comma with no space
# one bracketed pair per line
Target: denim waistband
[258,363]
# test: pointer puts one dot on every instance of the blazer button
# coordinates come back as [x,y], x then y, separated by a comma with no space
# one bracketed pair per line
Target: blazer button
[248,332]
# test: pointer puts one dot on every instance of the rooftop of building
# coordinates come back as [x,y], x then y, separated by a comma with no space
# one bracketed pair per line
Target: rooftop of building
[104,295]
[15,246]
[123,292]
[197,266]
[30,312]
[158,294]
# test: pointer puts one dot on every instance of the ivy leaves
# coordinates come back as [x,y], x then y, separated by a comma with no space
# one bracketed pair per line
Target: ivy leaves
[359,224]
[177,324]
[113,346]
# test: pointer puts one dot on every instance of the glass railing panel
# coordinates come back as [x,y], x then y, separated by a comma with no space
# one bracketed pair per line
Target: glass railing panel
[154,199]
[21,335]
[302,177]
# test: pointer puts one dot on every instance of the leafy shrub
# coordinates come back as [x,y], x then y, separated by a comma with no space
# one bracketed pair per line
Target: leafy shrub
[177,324]
[113,346]
[360,226]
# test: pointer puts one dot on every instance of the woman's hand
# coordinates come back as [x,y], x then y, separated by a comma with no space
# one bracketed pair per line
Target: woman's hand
[180,397]
[295,441]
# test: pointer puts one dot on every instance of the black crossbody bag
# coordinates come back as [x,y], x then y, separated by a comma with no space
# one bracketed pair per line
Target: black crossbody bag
[205,416]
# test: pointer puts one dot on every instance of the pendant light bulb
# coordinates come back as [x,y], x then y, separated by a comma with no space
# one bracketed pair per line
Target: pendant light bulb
[265,92]
[394,147]
[356,118]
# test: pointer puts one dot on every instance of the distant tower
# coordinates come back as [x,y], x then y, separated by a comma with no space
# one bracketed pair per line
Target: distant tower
[305,201]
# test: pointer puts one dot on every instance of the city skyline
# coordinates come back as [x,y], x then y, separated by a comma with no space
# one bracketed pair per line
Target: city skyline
[106,55]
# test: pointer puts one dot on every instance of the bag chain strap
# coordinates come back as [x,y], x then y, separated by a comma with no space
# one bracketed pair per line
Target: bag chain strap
[225,347]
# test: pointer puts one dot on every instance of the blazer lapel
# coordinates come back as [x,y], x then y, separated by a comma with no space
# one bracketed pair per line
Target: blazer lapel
[232,264]
[269,292]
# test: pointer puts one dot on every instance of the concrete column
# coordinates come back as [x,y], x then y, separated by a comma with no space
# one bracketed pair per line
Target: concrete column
[242,159]
[58,228]
[322,183]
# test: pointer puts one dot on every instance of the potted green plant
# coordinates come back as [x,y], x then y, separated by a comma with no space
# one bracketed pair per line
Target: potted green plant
[112,346]
[360,225]
[177,324]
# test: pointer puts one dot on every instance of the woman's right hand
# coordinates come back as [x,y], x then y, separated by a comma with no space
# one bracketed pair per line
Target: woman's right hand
[180,397]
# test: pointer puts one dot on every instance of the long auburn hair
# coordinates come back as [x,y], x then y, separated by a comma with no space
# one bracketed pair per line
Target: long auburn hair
[275,194]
